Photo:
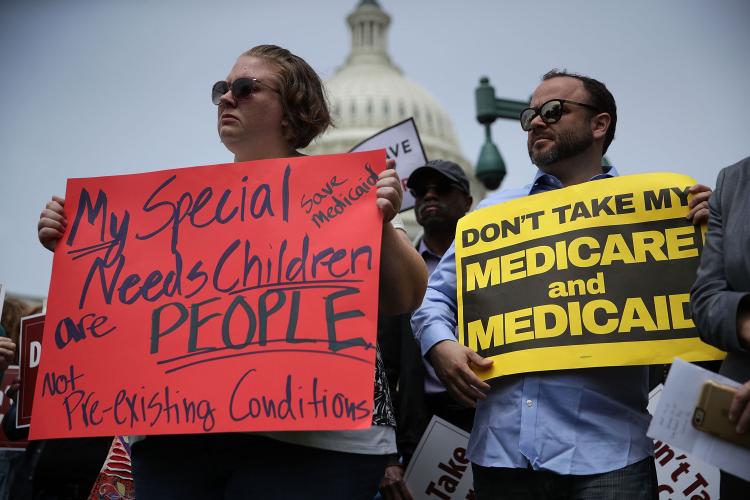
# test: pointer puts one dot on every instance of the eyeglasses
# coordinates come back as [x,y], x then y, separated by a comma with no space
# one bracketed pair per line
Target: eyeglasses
[440,188]
[241,88]
[549,112]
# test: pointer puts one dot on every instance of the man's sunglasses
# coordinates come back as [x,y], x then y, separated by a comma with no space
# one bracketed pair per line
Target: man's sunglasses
[549,112]
[440,188]
[241,88]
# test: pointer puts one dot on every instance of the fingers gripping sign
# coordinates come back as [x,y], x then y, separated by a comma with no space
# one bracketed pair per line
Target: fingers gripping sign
[390,193]
[454,365]
[698,206]
[52,223]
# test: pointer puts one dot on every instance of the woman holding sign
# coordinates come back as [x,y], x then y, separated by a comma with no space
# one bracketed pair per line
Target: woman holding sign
[272,104]
[721,295]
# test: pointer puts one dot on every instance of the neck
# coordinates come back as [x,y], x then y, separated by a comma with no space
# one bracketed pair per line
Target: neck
[439,241]
[262,150]
[576,169]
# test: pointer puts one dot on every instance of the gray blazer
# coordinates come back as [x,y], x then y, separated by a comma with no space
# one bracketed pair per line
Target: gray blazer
[724,274]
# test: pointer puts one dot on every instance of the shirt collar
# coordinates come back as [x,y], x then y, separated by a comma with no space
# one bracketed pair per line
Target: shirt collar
[546,182]
[424,251]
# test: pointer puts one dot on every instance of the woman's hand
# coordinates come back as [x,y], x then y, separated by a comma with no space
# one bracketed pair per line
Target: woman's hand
[389,191]
[52,223]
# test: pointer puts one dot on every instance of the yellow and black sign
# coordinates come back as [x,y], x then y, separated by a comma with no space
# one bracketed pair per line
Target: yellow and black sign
[596,274]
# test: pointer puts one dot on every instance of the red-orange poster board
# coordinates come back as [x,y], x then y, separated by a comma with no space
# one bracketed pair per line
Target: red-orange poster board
[237,297]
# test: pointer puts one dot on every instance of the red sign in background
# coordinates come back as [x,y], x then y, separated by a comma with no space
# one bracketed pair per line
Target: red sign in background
[234,297]
[29,354]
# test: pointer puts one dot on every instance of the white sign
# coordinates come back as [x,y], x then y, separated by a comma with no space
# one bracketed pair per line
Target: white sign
[401,143]
[674,413]
[681,475]
[439,468]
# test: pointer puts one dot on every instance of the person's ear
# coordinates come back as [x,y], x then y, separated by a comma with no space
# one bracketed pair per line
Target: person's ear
[600,124]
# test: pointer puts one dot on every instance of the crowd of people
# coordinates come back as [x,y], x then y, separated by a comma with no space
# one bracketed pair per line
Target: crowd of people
[577,433]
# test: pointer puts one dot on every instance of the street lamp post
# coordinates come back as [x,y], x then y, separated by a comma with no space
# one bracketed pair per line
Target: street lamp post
[490,168]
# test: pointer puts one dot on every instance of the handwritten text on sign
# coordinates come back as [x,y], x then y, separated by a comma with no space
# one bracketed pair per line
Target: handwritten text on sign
[597,274]
[212,299]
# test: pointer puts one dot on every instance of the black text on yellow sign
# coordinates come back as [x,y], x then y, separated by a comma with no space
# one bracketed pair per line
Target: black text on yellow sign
[594,275]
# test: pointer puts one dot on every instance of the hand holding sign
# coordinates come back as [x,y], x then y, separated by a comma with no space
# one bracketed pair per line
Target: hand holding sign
[52,223]
[453,364]
[390,193]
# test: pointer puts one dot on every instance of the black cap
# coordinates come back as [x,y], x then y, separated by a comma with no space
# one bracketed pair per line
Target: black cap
[447,169]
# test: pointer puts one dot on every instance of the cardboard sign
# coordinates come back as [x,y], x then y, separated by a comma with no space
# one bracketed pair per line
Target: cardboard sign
[596,274]
[439,467]
[11,374]
[29,354]
[237,297]
[401,143]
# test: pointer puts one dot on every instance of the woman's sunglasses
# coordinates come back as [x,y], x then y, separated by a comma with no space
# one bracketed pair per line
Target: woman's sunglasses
[241,88]
[549,112]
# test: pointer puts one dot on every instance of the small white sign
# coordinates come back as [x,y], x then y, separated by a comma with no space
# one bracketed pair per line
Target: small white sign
[401,143]
[674,413]
[681,475]
[439,468]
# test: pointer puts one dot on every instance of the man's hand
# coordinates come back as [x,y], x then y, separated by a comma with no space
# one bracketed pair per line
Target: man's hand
[52,223]
[392,486]
[389,191]
[7,352]
[699,204]
[739,410]
[452,363]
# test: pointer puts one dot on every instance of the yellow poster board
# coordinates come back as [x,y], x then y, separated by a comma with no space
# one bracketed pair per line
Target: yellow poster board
[596,274]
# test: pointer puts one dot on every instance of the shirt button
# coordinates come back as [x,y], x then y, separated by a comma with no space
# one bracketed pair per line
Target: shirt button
[529,403]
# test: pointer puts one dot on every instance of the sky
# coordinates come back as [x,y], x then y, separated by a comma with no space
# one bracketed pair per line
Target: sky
[90,88]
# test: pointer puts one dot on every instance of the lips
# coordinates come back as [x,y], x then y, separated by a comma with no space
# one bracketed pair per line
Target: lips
[228,118]
[429,209]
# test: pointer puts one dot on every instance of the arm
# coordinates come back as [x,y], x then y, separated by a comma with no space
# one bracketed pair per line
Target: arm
[403,273]
[716,307]
[434,326]
[722,314]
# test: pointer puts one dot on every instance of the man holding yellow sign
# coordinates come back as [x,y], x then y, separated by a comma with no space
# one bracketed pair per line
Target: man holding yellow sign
[550,297]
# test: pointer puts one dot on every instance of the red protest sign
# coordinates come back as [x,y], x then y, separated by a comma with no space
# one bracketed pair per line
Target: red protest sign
[29,353]
[224,298]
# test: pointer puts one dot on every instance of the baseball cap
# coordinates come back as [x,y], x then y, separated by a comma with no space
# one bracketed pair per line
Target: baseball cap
[446,168]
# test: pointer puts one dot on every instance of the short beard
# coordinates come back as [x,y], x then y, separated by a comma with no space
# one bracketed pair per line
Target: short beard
[566,146]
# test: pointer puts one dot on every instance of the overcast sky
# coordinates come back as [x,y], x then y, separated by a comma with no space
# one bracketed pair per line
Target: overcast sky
[91,88]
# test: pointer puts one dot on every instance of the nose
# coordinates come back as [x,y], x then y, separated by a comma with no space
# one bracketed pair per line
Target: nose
[537,122]
[228,99]
[431,192]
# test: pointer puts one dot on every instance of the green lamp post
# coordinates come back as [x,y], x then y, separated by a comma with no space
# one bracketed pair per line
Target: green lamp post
[490,168]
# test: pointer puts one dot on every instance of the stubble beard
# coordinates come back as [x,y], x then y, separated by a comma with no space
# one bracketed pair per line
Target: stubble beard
[565,146]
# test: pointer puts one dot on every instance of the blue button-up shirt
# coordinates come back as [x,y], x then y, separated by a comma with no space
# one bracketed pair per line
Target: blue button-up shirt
[584,421]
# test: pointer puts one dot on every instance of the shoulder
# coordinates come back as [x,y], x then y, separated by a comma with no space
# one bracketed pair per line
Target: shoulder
[502,196]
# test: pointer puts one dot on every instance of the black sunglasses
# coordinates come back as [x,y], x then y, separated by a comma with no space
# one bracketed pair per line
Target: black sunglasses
[241,88]
[441,188]
[549,112]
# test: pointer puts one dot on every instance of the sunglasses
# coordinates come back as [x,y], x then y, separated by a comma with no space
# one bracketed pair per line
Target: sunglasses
[549,112]
[241,88]
[440,188]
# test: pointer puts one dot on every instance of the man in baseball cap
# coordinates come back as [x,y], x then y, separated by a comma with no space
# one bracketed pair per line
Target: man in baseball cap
[442,196]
